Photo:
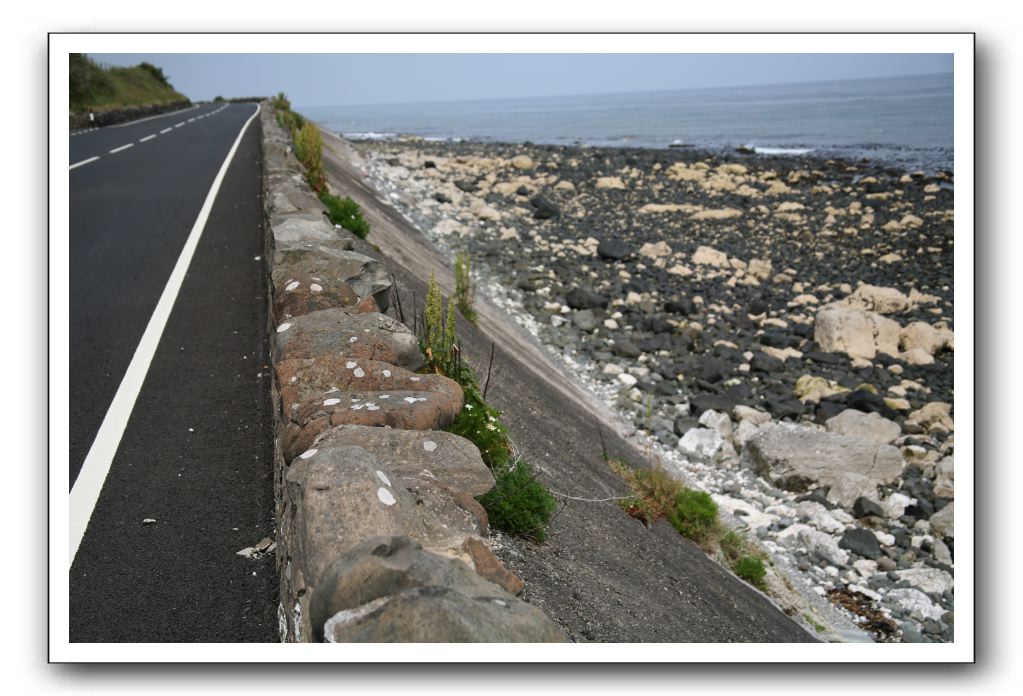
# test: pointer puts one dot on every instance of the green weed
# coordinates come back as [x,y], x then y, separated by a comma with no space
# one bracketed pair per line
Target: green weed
[345,212]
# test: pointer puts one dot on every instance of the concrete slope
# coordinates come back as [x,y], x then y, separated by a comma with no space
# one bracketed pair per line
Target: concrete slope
[601,575]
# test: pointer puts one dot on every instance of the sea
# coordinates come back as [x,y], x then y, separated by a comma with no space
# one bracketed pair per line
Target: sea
[904,122]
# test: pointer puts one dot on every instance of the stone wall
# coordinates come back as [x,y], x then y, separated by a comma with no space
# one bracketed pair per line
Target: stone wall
[109,117]
[379,534]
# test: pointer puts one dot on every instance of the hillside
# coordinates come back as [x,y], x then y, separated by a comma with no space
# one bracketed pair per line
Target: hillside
[93,87]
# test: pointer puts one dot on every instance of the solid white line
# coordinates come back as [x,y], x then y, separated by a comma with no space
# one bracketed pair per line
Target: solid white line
[166,130]
[94,471]
[178,125]
[85,161]
[123,147]
[148,137]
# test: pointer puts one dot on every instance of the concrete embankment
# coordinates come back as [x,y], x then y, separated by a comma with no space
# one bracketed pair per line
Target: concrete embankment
[380,538]
[601,575]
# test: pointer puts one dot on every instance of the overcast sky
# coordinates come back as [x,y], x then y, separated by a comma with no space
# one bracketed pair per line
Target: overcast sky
[344,79]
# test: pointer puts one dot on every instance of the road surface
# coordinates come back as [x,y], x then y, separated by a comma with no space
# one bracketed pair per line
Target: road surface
[169,382]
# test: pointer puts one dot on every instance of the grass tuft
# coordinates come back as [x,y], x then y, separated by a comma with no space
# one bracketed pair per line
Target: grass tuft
[751,569]
[694,515]
[345,212]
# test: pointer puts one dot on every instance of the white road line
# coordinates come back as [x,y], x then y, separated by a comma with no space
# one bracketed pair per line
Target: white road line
[166,130]
[178,125]
[123,147]
[85,161]
[86,490]
[191,120]
[148,137]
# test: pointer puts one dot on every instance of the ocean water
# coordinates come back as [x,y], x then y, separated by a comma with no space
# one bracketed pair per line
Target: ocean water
[905,122]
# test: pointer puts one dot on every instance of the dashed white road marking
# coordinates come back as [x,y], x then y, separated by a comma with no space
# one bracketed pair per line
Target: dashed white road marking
[191,120]
[89,483]
[85,161]
[148,137]
[166,130]
[178,125]
[123,147]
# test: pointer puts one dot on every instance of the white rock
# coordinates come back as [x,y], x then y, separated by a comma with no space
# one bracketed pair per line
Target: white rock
[943,522]
[627,379]
[872,298]
[929,580]
[819,517]
[655,251]
[865,426]
[610,182]
[717,421]
[522,162]
[753,415]
[751,516]
[708,256]
[612,369]
[705,444]
[824,545]
[919,605]
[896,504]
[759,269]
[743,432]
[855,332]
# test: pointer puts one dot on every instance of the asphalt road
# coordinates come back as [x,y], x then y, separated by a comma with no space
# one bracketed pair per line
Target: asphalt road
[196,454]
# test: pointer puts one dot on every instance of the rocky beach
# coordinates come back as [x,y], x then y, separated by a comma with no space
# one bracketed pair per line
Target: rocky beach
[778,331]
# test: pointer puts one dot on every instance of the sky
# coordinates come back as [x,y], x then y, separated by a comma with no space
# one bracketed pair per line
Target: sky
[349,79]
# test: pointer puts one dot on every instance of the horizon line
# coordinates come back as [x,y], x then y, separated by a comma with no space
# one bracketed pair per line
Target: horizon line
[641,91]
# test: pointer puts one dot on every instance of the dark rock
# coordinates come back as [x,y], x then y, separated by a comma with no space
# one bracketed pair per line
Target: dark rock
[709,370]
[862,542]
[910,634]
[581,298]
[429,164]
[683,306]
[786,408]
[544,208]
[441,197]
[828,409]
[823,358]
[684,424]
[803,330]
[711,402]
[862,400]
[613,250]
[625,348]
[865,507]
[778,340]
[757,307]
[466,186]
[762,362]
[522,191]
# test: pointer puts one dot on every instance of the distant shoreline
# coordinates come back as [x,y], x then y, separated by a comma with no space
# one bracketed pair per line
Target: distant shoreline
[937,161]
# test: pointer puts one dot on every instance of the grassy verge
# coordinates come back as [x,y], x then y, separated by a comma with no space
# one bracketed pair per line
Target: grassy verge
[656,495]
[96,88]
[518,504]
